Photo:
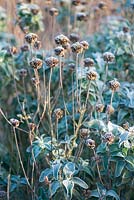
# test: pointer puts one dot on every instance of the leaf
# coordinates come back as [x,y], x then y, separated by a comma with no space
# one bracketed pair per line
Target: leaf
[79,182]
[69,169]
[119,167]
[45,173]
[56,168]
[55,185]
[101,148]
[94,193]
[117,154]
[130,160]
[121,115]
[123,138]
[69,185]
[112,193]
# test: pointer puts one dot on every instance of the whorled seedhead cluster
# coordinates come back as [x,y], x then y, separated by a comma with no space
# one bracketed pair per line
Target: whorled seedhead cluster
[61,40]
[35,81]
[90,143]
[82,16]
[88,62]
[110,109]
[51,61]
[58,113]
[34,9]
[108,57]
[23,72]
[85,44]
[77,48]
[109,137]
[31,38]
[15,122]
[92,75]
[114,85]
[36,63]
[53,12]
[84,132]
[102,5]
[59,51]
[74,37]
[99,107]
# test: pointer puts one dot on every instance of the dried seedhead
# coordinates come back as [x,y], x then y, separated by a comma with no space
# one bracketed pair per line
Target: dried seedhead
[51,61]
[76,2]
[37,44]
[58,113]
[84,132]
[24,48]
[59,51]
[110,109]
[61,40]
[92,75]
[35,81]
[88,62]
[109,137]
[108,57]
[31,38]
[74,37]
[15,122]
[77,48]
[53,12]
[85,45]
[126,126]
[32,126]
[114,85]
[82,16]
[23,72]
[99,107]
[36,63]
[90,143]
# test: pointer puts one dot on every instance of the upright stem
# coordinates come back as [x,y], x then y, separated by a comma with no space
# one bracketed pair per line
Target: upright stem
[77,59]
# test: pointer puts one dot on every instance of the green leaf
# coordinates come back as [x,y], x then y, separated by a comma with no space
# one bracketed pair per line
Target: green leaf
[121,115]
[56,168]
[119,167]
[45,173]
[79,182]
[94,193]
[112,193]
[69,169]
[54,187]
[69,185]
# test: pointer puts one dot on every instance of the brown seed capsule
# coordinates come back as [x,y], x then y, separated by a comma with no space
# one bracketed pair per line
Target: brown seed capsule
[92,75]
[51,61]
[109,109]
[99,107]
[74,37]
[36,63]
[58,113]
[86,193]
[37,44]
[90,143]
[24,48]
[59,51]
[32,126]
[31,38]
[10,50]
[84,44]
[77,48]
[23,72]
[114,85]
[61,40]
[84,132]
[3,195]
[53,12]
[76,2]
[109,137]
[82,16]
[126,126]
[35,81]
[88,62]
[108,57]
[15,122]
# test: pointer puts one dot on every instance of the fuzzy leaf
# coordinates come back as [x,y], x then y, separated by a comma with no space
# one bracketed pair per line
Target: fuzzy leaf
[79,182]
